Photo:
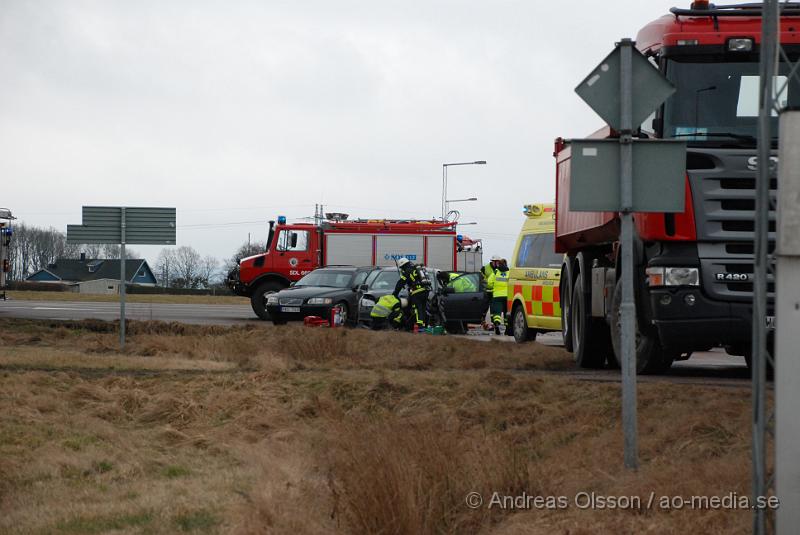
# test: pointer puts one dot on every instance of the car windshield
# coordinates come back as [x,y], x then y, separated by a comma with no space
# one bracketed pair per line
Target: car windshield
[717,102]
[385,280]
[327,278]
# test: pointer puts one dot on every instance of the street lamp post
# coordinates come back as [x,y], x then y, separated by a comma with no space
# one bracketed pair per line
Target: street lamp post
[444,184]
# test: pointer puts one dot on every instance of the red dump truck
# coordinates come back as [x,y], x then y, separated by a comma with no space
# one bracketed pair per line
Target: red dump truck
[294,250]
[693,270]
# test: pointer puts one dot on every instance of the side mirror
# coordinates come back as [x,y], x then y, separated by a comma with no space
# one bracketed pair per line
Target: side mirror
[658,124]
[363,287]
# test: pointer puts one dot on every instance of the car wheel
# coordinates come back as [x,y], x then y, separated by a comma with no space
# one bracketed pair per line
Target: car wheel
[522,333]
[259,298]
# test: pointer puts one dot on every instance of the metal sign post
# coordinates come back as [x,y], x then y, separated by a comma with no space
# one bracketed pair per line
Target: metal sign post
[122,279]
[121,225]
[627,306]
[627,175]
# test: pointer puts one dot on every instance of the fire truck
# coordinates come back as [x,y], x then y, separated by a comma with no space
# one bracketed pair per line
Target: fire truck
[5,244]
[693,270]
[294,250]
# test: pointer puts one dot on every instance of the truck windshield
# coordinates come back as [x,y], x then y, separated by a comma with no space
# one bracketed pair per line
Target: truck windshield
[327,278]
[717,102]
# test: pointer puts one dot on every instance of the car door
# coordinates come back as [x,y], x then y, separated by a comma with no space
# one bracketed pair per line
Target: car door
[466,305]
[293,247]
[354,296]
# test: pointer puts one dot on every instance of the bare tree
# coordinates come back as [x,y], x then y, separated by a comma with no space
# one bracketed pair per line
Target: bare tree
[208,271]
[244,250]
[33,248]
[92,250]
[166,267]
[187,267]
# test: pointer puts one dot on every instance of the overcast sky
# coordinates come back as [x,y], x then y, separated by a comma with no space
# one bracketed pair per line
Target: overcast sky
[236,112]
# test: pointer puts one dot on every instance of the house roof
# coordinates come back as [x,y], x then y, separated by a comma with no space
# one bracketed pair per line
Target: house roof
[75,270]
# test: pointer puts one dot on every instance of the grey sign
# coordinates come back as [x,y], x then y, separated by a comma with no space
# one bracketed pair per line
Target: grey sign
[601,89]
[123,225]
[659,170]
[104,224]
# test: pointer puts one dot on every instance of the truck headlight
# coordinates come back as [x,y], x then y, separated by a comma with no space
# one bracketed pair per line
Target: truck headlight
[320,301]
[367,302]
[272,300]
[673,276]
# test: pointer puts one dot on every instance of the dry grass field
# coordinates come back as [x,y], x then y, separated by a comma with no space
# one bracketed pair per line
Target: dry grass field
[132,298]
[295,430]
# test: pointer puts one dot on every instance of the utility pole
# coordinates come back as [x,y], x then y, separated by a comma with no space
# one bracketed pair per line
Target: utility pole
[761,259]
[787,336]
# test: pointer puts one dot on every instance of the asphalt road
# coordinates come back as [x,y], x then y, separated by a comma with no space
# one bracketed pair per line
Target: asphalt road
[78,310]
[714,367]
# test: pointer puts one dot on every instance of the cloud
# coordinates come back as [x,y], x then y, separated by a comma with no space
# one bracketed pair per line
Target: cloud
[237,111]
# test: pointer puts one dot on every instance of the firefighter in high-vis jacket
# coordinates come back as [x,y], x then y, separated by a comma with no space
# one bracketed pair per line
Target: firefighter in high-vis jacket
[498,284]
[461,283]
[488,269]
[418,286]
[386,313]
[486,272]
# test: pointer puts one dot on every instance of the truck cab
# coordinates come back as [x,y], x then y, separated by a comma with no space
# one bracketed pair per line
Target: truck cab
[292,251]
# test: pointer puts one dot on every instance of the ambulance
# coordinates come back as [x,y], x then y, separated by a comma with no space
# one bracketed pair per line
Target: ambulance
[535,268]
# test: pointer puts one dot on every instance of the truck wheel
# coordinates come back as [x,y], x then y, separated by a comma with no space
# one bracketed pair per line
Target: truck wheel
[519,321]
[650,357]
[588,343]
[259,298]
[566,318]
